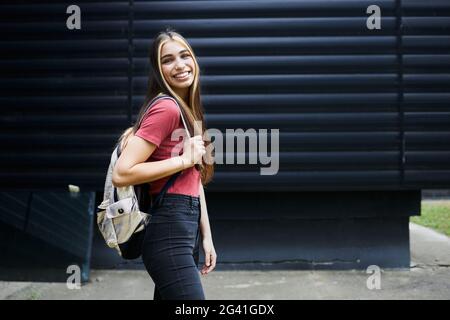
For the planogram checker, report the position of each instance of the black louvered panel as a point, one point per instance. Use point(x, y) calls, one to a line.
point(64, 94)
point(308, 68)
point(426, 66)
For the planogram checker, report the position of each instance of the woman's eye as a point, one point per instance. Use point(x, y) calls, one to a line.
point(183, 56)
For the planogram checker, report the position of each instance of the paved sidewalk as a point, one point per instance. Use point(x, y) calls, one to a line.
point(428, 278)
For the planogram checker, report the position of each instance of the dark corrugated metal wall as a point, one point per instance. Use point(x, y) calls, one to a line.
point(356, 108)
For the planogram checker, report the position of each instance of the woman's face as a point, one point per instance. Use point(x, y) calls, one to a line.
point(177, 66)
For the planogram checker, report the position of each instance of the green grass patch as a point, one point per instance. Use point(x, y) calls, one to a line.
point(435, 215)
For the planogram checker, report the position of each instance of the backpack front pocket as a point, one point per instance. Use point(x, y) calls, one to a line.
point(120, 208)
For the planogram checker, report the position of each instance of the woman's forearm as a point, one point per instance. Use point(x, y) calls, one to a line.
point(205, 228)
point(149, 171)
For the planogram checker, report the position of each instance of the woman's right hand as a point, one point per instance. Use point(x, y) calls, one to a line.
point(193, 150)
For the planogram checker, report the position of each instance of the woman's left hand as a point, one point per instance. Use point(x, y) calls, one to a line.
point(210, 256)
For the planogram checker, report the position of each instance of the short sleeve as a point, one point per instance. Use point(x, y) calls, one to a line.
point(159, 122)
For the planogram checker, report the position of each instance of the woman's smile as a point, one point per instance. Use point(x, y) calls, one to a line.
point(182, 76)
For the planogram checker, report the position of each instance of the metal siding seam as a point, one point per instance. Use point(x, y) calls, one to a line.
point(400, 89)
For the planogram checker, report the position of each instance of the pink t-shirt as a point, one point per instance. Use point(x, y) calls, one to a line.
point(157, 126)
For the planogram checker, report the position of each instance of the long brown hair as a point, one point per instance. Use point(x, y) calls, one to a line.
point(192, 112)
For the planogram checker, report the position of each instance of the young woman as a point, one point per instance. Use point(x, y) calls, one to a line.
point(170, 250)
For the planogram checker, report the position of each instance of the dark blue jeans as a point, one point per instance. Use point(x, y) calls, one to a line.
point(171, 248)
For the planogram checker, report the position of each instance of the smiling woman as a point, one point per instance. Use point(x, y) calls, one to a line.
point(170, 250)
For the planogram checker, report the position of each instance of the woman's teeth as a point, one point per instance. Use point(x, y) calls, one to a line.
point(182, 75)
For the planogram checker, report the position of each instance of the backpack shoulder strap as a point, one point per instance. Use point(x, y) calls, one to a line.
point(162, 96)
point(150, 104)
point(165, 188)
